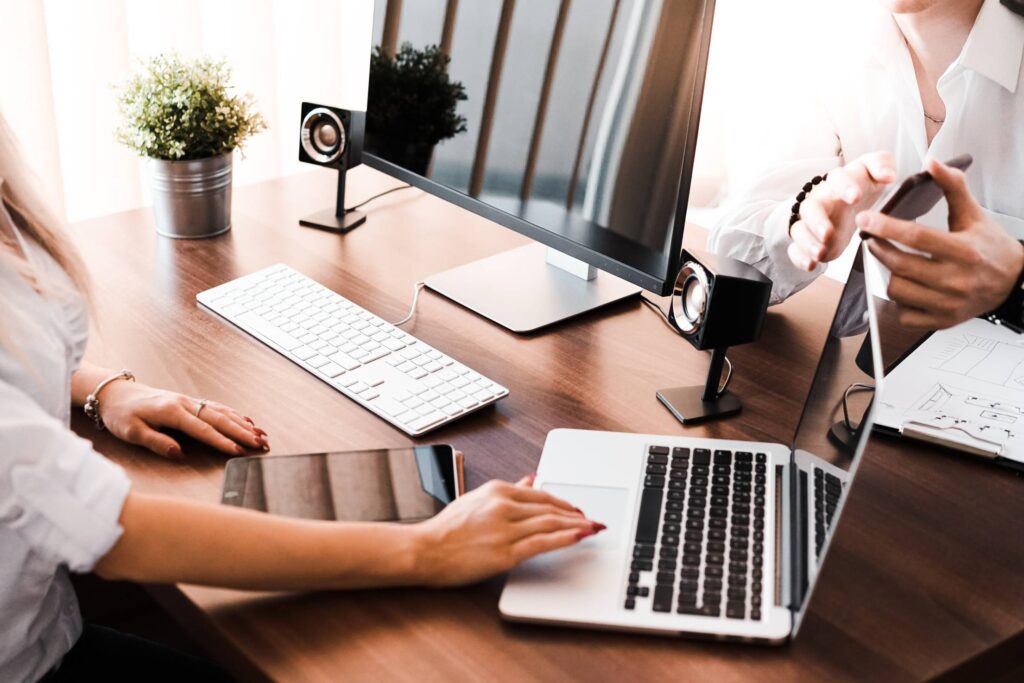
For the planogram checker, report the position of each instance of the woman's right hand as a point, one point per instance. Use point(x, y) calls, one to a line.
point(828, 213)
point(493, 528)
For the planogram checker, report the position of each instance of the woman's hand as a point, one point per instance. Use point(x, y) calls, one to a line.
point(136, 413)
point(827, 214)
point(493, 528)
point(964, 273)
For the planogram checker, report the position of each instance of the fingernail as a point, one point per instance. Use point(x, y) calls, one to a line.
point(266, 447)
point(580, 512)
point(851, 194)
point(239, 449)
point(259, 431)
point(599, 527)
point(863, 220)
point(583, 533)
point(174, 452)
point(249, 420)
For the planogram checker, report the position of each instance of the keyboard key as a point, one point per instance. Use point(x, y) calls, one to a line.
point(662, 601)
point(630, 603)
point(647, 522)
point(665, 577)
point(723, 457)
point(332, 370)
point(642, 565)
point(701, 456)
point(643, 552)
point(681, 453)
point(393, 408)
point(735, 610)
point(658, 450)
point(426, 421)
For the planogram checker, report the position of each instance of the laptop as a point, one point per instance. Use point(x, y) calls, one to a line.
point(706, 537)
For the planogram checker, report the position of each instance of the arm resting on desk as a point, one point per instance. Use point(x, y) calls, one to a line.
point(137, 413)
point(485, 532)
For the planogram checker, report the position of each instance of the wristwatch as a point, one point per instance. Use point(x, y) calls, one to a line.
point(1011, 313)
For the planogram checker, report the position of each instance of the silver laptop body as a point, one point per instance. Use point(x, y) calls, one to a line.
point(706, 537)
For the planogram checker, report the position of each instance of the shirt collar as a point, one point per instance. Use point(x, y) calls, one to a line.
point(995, 47)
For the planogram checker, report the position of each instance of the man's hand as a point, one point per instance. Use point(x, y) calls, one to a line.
point(964, 273)
point(827, 214)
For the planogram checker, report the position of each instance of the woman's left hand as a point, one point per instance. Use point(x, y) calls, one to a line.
point(136, 413)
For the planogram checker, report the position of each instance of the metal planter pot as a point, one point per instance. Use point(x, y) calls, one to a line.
point(192, 199)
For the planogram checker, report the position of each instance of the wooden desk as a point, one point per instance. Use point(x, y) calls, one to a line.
point(925, 574)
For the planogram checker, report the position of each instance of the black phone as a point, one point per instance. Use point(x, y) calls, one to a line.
point(1015, 6)
point(919, 193)
point(385, 485)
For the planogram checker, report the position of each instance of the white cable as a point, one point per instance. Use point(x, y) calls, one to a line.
point(417, 288)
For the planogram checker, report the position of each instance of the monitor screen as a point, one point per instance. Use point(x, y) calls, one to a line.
point(572, 123)
point(834, 427)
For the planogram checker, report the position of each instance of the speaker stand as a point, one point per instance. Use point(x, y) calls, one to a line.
point(338, 219)
point(692, 405)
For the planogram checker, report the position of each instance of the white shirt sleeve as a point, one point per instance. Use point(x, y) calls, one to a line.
point(783, 148)
point(60, 496)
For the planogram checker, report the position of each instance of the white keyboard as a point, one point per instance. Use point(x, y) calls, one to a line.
point(387, 371)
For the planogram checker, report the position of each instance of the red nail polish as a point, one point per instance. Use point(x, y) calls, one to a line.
point(239, 449)
point(580, 512)
point(583, 533)
point(174, 452)
point(249, 420)
point(599, 527)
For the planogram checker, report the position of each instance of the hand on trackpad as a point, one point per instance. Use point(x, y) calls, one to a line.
point(600, 504)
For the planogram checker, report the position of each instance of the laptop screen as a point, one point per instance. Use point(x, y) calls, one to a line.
point(832, 432)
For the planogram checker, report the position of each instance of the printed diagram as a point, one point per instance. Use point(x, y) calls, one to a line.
point(983, 359)
point(988, 419)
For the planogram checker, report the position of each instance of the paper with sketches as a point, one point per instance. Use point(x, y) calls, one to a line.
point(963, 387)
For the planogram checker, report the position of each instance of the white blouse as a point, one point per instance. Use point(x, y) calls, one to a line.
point(858, 94)
point(60, 501)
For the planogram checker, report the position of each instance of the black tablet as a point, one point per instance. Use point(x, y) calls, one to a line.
point(402, 485)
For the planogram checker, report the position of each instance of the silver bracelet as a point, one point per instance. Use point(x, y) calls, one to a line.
point(92, 403)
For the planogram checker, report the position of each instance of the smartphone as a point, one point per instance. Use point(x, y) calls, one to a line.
point(919, 193)
point(392, 485)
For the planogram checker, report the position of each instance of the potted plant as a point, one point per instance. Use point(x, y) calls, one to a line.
point(412, 105)
point(182, 116)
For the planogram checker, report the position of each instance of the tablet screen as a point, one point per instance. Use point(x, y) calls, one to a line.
point(406, 484)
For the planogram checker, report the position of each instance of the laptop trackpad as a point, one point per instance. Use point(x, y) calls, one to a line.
point(600, 504)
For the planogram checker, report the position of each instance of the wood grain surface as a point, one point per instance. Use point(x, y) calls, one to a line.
point(924, 575)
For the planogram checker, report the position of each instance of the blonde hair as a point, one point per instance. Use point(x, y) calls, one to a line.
point(34, 219)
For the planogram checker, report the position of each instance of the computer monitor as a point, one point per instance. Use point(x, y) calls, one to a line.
point(574, 124)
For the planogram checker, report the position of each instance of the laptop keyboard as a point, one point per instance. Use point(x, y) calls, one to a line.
point(827, 489)
point(700, 533)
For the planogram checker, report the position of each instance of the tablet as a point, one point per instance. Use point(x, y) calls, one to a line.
point(396, 485)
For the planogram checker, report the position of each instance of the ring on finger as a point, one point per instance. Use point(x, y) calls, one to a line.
point(199, 406)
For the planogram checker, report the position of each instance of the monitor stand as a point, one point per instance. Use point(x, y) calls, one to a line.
point(526, 289)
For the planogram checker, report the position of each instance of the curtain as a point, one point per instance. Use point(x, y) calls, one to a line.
point(63, 59)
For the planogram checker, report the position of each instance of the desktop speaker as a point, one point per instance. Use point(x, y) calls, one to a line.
point(717, 302)
point(720, 302)
point(332, 137)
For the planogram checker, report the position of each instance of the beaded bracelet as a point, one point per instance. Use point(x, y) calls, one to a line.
point(794, 215)
point(92, 401)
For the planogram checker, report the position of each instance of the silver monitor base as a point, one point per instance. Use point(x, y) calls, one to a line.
point(522, 292)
